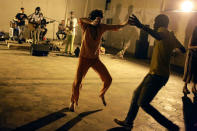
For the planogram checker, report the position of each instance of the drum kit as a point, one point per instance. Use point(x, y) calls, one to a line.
point(13, 31)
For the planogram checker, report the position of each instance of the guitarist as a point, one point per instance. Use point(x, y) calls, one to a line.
point(43, 28)
point(21, 24)
point(36, 19)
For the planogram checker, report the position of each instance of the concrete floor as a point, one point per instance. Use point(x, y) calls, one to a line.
point(35, 94)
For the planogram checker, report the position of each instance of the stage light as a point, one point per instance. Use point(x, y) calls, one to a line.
point(187, 6)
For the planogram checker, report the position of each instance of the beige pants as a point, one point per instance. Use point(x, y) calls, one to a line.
point(36, 35)
point(21, 31)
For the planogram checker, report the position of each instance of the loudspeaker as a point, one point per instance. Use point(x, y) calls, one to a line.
point(40, 49)
point(77, 52)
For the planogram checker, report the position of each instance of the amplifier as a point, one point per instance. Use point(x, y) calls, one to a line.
point(40, 49)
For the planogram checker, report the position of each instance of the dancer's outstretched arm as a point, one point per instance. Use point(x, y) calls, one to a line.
point(157, 35)
point(114, 27)
point(134, 21)
point(106, 26)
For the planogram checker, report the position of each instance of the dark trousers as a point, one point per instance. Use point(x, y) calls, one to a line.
point(43, 33)
point(142, 97)
point(61, 32)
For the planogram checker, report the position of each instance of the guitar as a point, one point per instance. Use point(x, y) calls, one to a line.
point(33, 25)
point(44, 22)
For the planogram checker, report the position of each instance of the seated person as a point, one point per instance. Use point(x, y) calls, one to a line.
point(61, 30)
point(43, 29)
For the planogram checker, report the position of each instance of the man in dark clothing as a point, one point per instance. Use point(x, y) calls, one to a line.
point(43, 29)
point(158, 75)
point(21, 23)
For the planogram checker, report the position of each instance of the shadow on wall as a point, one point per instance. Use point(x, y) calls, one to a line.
point(129, 34)
point(174, 26)
point(174, 20)
point(114, 38)
point(189, 28)
point(125, 38)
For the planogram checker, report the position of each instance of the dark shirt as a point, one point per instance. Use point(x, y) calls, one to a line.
point(21, 17)
point(43, 23)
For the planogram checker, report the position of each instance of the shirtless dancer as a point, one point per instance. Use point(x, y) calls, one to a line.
point(92, 29)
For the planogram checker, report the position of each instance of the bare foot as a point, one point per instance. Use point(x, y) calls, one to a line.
point(103, 100)
point(72, 107)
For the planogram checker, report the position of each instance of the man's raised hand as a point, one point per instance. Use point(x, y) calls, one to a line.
point(133, 20)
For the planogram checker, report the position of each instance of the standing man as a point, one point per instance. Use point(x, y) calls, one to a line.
point(158, 75)
point(21, 24)
point(71, 25)
point(61, 30)
point(92, 30)
point(36, 19)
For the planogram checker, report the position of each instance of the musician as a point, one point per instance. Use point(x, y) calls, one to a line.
point(61, 30)
point(36, 19)
point(71, 24)
point(21, 24)
point(43, 29)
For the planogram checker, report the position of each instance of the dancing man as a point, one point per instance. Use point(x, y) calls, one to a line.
point(158, 75)
point(92, 29)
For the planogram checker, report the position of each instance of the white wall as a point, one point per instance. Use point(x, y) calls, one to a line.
point(145, 10)
point(181, 23)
